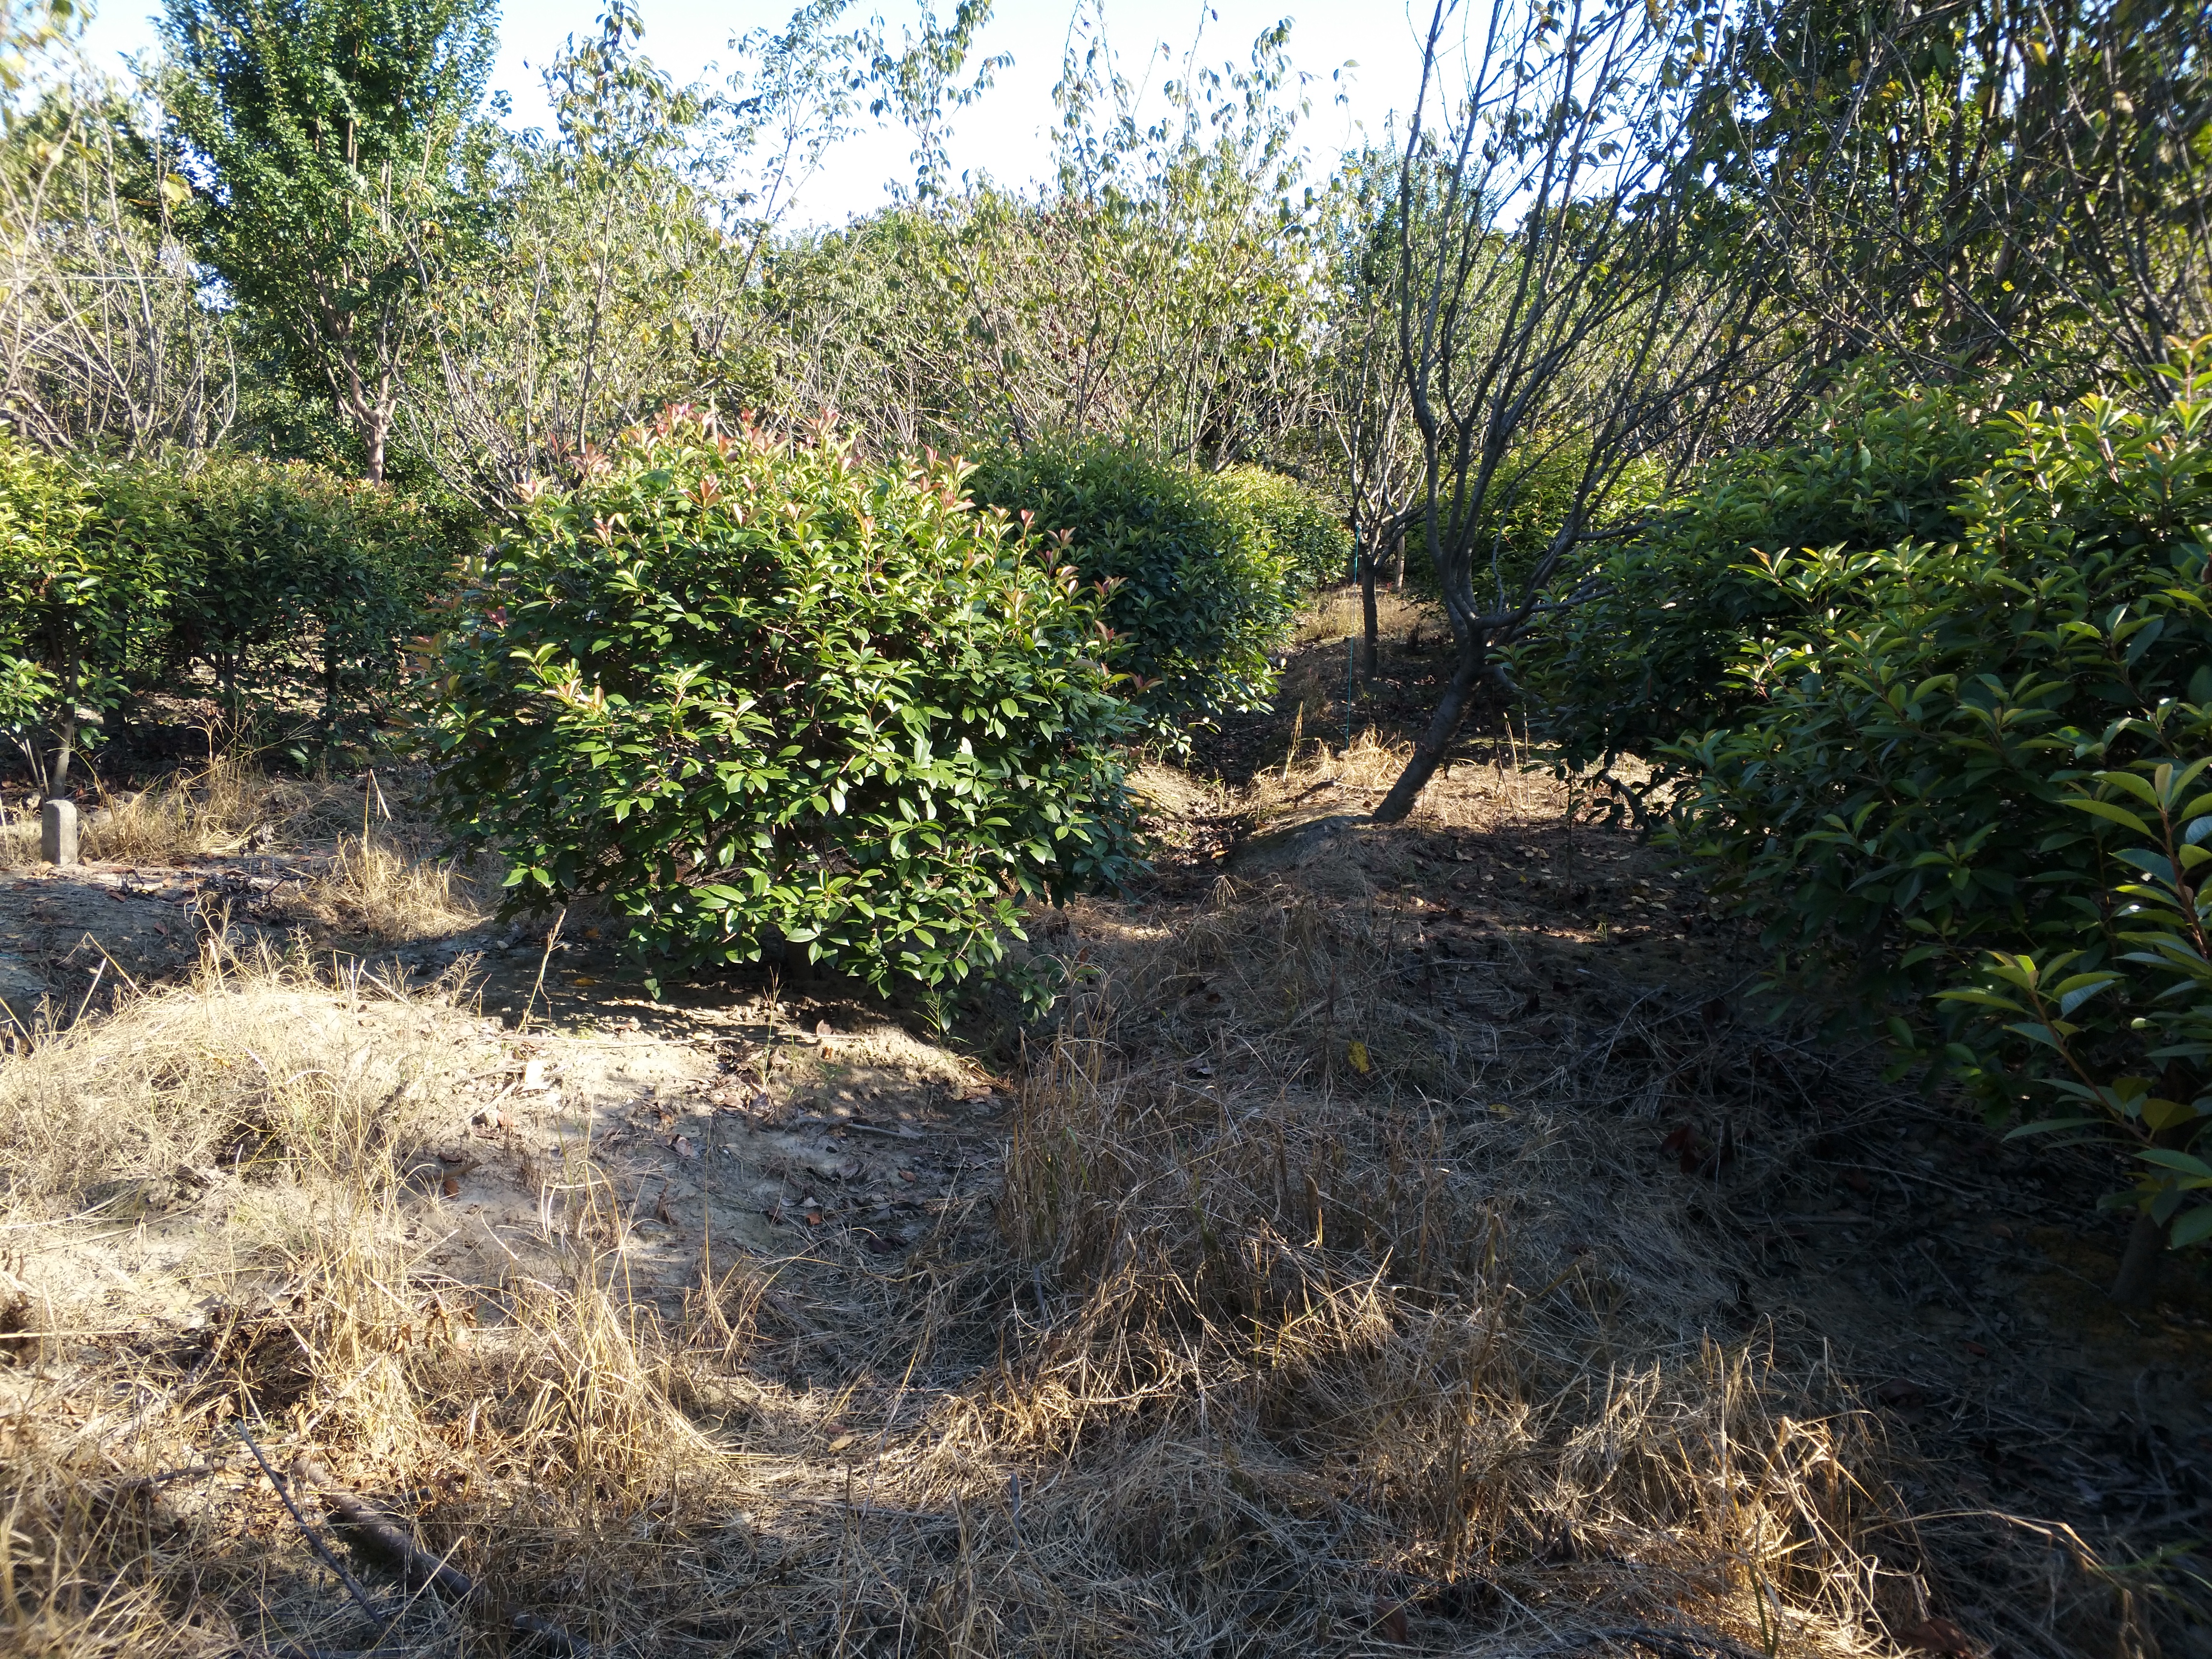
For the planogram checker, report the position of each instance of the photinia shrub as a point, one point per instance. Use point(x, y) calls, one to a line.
point(1302, 529)
point(1968, 768)
point(1199, 594)
point(761, 695)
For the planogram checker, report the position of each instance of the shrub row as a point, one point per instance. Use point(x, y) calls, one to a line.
point(286, 594)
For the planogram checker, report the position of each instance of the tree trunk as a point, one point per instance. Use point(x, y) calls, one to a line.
point(376, 433)
point(1398, 577)
point(2138, 1272)
point(1367, 644)
point(58, 770)
point(1429, 752)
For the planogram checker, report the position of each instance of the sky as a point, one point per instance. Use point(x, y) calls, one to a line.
point(1005, 133)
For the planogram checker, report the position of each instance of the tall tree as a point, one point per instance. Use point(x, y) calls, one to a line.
point(1558, 320)
point(320, 136)
point(1975, 184)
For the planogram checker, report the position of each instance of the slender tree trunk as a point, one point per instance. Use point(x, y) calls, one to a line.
point(330, 684)
point(1370, 629)
point(64, 731)
point(2139, 1263)
point(1398, 577)
point(1429, 752)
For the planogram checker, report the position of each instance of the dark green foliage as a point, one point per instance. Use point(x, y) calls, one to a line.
point(759, 694)
point(286, 593)
point(76, 607)
point(1912, 779)
point(289, 586)
point(1196, 592)
point(1300, 528)
point(1649, 660)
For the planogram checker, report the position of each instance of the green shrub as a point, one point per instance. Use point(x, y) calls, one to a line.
point(1197, 594)
point(1650, 660)
point(291, 588)
point(1927, 767)
point(75, 607)
point(2147, 1093)
point(1301, 529)
point(760, 695)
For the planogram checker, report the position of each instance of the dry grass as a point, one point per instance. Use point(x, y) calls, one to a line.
point(380, 888)
point(1338, 614)
point(226, 808)
point(1268, 1344)
point(376, 870)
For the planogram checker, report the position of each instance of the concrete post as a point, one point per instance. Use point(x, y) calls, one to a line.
point(57, 832)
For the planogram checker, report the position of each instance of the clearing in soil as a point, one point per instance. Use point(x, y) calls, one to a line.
point(1399, 1239)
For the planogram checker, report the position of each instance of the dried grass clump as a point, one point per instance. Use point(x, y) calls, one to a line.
point(250, 1067)
point(1338, 614)
point(18, 838)
point(226, 807)
point(379, 887)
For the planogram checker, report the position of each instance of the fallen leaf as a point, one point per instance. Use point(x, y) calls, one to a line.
point(842, 1442)
point(1390, 1621)
point(582, 979)
point(1355, 1054)
point(814, 1218)
point(906, 1174)
point(660, 1209)
point(683, 1146)
point(823, 1028)
point(1937, 1636)
point(533, 1076)
point(1900, 1393)
point(2000, 1230)
point(1975, 1349)
point(1500, 1108)
point(450, 1187)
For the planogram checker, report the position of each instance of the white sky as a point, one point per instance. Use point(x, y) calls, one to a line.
point(1005, 133)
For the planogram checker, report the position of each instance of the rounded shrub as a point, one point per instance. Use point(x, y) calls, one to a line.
point(1648, 659)
point(1299, 526)
point(1197, 595)
point(762, 695)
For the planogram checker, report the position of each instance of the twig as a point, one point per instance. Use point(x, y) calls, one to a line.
point(380, 1532)
point(352, 1585)
point(552, 934)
